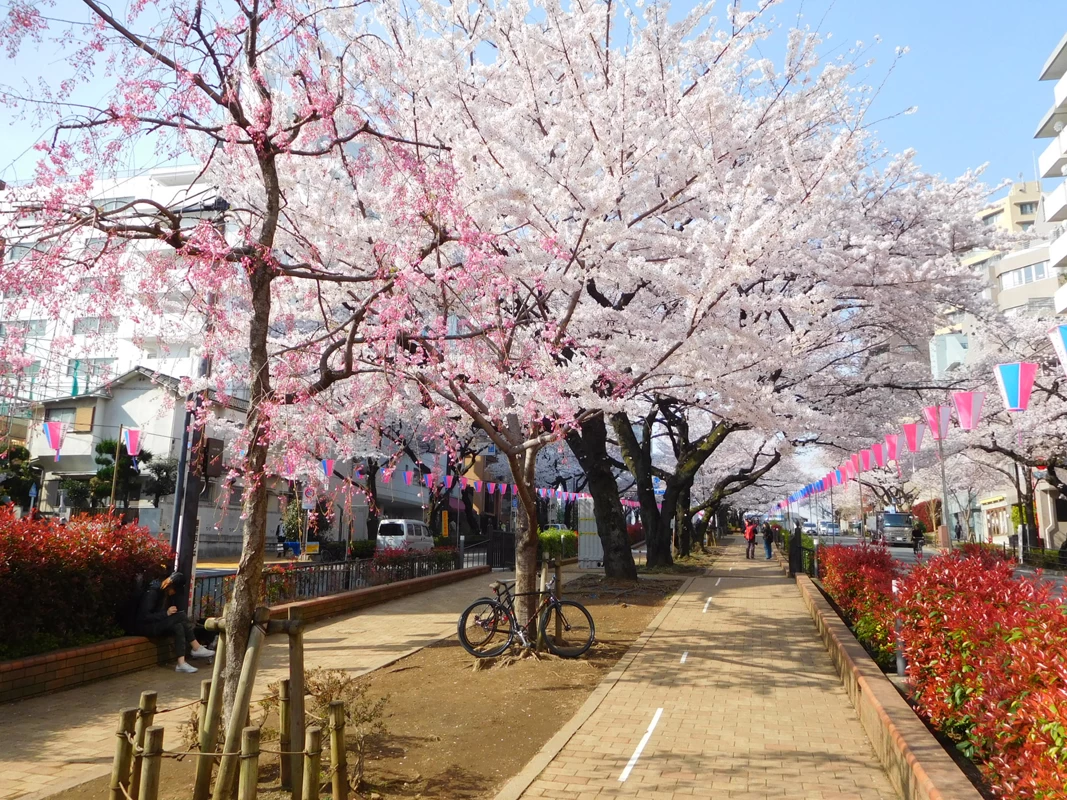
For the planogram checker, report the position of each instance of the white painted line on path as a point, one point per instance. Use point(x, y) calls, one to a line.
point(708, 603)
point(640, 746)
point(685, 655)
point(717, 581)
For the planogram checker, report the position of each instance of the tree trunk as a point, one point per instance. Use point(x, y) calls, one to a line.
point(373, 514)
point(250, 569)
point(638, 458)
point(590, 448)
point(684, 522)
point(522, 469)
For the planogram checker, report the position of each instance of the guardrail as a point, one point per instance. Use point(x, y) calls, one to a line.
point(287, 584)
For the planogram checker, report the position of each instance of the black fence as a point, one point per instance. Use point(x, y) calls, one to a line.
point(287, 584)
point(497, 550)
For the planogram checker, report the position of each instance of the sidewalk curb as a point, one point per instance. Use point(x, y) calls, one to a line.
point(514, 788)
point(917, 765)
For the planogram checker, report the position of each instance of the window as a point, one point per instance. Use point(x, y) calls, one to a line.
point(88, 367)
point(95, 246)
point(33, 370)
point(992, 219)
point(66, 415)
point(1028, 208)
point(111, 203)
point(1025, 226)
point(83, 419)
point(83, 325)
point(1024, 275)
point(31, 328)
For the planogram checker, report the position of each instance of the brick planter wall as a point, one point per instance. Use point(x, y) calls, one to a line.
point(64, 669)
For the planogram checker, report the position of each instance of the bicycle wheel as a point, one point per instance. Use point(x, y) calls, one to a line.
point(485, 628)
point(575, 629)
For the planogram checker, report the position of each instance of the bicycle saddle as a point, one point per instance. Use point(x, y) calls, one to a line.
point(496, 586)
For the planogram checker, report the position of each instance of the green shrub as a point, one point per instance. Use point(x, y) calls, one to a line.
point(361, 548)
point(332, 551)
point(557, 544)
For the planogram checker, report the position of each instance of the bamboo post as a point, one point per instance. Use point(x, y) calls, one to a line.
point(559, 595)
point(150, 765)
point(209, 723)
point(312, 762)
point(338, 756)
point(249, 764)
point(284, 731)
point(115, 473)
point(120, 765)
point(146, 712)
point(227, 773)
point(296, 706)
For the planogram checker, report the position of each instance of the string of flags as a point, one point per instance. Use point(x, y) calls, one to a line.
point(1015, 380)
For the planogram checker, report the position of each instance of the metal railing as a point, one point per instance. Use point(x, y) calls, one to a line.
point(287, 584)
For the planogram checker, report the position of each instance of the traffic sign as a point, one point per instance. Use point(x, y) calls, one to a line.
point(308, 501)
point(33, 490)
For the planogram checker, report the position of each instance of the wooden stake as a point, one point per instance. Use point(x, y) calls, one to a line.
point(150, 765)
point(120, 766)
point(115, 472)
point(312, 762)
point(209, 723)
point(246, 789)
point(284, 731)
point(296, 706)
point(227, 774)
point(338, 756)
point(146, 712)
point(559, 596)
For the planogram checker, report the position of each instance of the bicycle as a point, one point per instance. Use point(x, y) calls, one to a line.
point(489, 626)
point(917, 546)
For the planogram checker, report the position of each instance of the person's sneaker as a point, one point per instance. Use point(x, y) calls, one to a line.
point(185, 668)
point(203, 652)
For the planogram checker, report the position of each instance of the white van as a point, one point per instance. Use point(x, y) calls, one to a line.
point(404, 534)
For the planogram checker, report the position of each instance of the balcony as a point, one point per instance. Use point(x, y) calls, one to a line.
point(1060, 299)
point(1056, 204)
point(1051, 162)
point(1054, 121)
point(1056, 66)
point(1057, 249)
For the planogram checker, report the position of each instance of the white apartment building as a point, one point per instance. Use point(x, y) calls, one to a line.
point(160, 341)
point(1052, 163)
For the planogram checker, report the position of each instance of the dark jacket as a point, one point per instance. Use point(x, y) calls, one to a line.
point(154, 604)
point(768, 533)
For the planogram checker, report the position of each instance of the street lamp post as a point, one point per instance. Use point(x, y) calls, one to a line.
point(942, 532)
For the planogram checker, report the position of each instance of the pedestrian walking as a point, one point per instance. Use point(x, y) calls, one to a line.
point(959, 531)
point(750, 539)
point(768, 538)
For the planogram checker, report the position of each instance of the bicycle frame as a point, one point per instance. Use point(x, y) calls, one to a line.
point(507, 599)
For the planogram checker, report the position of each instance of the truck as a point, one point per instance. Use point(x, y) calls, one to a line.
point(891, 527)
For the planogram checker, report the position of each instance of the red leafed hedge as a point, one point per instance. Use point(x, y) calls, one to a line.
point(64, 585)
point(860, 579)
point(987, 662)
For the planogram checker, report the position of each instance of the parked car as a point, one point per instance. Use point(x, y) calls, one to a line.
point(810, 528)
point(829, 529)
point(404, 534)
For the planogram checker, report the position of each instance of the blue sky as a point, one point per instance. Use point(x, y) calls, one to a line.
point(971, 71)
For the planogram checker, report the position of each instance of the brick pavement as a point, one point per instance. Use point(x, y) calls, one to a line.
point(755, 711)
point(60, 740)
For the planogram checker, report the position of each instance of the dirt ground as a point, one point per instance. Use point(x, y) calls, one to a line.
point(456, 732)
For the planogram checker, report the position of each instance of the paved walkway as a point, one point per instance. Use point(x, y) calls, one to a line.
point(756, 710)
point(53, 742)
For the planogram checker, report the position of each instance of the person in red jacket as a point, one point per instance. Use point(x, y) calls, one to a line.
point(750, 538)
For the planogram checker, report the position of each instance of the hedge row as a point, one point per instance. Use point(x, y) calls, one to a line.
point(986, 653)
point(65, 585)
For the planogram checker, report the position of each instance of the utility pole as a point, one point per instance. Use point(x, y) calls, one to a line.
point(942, 533)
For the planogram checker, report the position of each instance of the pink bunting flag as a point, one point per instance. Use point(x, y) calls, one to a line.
point(878, 451)
point(968, 408)
point(131, 438)
point(514, 489)
point(891, 441)
point(387, 477)
point(428, 480)
point(913, 435)
point(327, 467)
point(477, 486)
point(865, 460)
point(490, 488)
point(53, 435)
point(462, 481)
point(503, 488)
point(937, 420)
point(408, 477)
point(855, 459)
point(448, 481)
